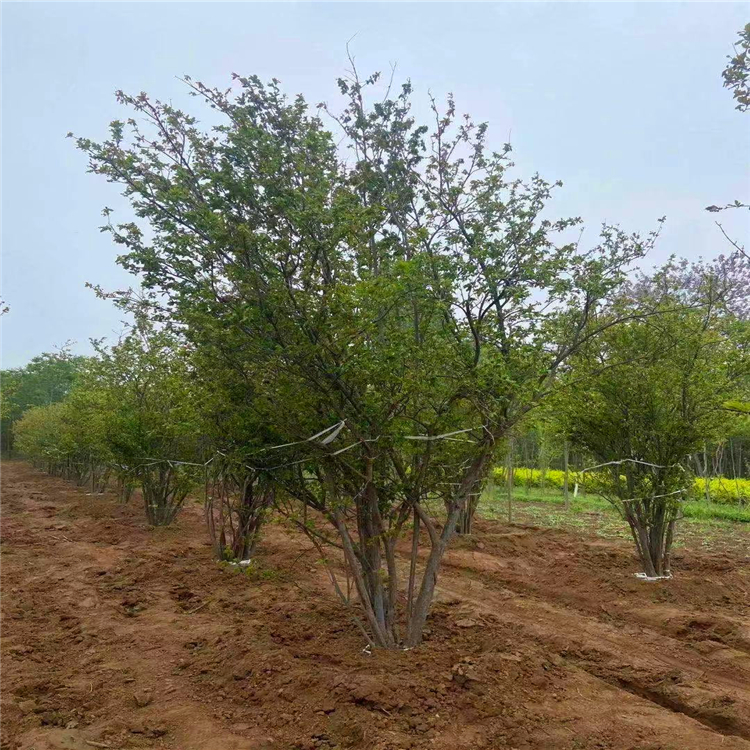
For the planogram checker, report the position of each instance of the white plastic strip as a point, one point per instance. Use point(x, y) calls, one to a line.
point(653, 497)
point(631, 461)
point(644, 577)
point(338, 426)
point(333, 435)
point(441, 437)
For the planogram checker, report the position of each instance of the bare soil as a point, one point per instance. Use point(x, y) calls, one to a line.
point(117, 635)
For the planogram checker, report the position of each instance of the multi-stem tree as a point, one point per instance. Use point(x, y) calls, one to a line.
point(389, 285)
point(143, 391)
point(649, 392)
point(237, 502)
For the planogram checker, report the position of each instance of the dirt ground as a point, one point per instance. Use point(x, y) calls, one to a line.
point(115, 635)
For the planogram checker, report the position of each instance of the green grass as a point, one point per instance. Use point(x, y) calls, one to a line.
point(593, 514)
point(698, 509)
point(586, 513)
point(705, 511)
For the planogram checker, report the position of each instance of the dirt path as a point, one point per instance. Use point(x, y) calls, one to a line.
point(76, 647)
point(116, 635)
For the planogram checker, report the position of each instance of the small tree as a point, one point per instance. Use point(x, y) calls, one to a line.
point(39, 435)
point(150, 417)
point(62, 439)
point(648, 393)
point(47, 379)
point(236, 504)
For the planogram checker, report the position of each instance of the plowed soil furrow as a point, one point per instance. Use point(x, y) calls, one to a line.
point(628, 653)
point(642, 668)
point(568, 625)
point(704, 624)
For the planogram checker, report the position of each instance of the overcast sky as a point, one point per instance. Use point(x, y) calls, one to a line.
point(621, 101)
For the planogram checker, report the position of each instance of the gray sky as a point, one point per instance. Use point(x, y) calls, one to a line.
point(621, 101)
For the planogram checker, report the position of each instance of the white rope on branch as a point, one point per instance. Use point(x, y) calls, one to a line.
point(331, 434)
point(444, 436)
point(654, 497)
point(632, 461)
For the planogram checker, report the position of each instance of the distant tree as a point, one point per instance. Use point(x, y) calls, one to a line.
point(143, 410)
point(132, 411)
point(40, 436)
point(46, 380)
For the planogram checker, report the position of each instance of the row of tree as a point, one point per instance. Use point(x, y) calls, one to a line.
point(349, 322)
point(639, 397)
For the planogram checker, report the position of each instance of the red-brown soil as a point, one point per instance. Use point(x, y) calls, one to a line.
point(116, 635)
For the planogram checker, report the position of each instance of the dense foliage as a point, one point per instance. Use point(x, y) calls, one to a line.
point(349, 323)
point(47, 379)
point(650, 392)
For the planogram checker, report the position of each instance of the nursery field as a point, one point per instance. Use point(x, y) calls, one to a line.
point(387, 453)
point(121, 635)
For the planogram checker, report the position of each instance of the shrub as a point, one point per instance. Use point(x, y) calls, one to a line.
point(723, 490)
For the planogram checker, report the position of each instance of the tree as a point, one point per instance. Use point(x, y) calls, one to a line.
point(736, 76)
point(148, 411)
point(237, 502)
point(649, 392)
point(63, 439)
point(737, 72)
point(383, 320)
point(40, 435)
point(47, 379)
point(238, 496)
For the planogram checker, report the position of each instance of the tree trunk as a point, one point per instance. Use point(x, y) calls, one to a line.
point(412, 566)
point(416, 624)
point(465, 521)
point(653, 539)
point(706, 487)
point(509, 479)
point(429, 581)
point(566, 494)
